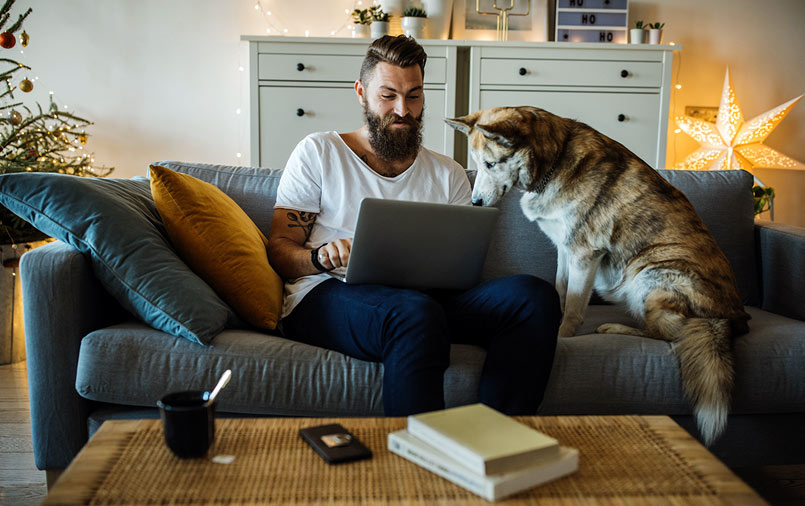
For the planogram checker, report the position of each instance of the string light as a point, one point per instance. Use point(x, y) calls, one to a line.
point(276, 25)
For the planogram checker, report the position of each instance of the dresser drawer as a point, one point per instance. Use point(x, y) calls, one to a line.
point(538, 72)
point(330, 68)
point(289, 113)
point(629, 118)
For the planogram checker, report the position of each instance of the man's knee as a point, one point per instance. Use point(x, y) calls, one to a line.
point(535, 297)
point(418, 320)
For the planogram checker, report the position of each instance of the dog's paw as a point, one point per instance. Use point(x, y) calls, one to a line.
point(567, 331)
point(617, 328)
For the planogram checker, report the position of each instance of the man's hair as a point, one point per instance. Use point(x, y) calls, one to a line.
point(402, 51)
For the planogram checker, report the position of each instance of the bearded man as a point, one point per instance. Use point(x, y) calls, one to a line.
point(514, 318)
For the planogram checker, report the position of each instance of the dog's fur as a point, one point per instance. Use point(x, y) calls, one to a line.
point(620, 227)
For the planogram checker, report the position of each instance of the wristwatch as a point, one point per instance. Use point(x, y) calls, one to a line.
point(314, 257)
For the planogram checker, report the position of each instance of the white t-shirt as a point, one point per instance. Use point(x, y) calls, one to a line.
point(324, 176)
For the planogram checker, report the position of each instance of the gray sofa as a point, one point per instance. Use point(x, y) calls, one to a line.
point(89, 360)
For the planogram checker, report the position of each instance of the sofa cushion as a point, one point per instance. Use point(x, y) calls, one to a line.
point(592, 373)
point(270, 375)
point(614, 374)
point(722, 198)
point(253, 189)
point(724, 201)
point(220, 243)
point(115, 223)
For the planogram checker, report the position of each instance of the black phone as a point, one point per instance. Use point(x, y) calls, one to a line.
point(334, 443)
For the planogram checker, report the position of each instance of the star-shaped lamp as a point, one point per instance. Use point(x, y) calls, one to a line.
point(732, 143)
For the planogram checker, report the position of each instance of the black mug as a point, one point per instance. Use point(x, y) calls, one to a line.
point(188, 422)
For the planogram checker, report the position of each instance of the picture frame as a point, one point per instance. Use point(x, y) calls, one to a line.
point(468, 25)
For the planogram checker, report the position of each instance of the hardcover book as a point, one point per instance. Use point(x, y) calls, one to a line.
point(491, 487)
point(485, 440)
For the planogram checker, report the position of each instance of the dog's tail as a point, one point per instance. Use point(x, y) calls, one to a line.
point(707, 371)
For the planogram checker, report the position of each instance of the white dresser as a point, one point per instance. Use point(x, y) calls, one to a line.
point(304, 85)
point(621, 90)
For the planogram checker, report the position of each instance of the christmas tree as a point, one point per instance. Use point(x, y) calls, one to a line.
point(38, 140)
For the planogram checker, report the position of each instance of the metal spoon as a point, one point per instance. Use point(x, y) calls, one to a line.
point(221, 384)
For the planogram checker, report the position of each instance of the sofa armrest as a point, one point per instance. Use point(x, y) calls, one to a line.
point(781, 257)
point(62, 302)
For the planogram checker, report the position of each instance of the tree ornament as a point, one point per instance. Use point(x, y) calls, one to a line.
point(733, 143)
point(15, 117)
point(82, 138)
point(24, 38)
point(26, 85)
point(7, 40)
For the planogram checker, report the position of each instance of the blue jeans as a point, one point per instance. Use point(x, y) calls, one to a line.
point(515, 319)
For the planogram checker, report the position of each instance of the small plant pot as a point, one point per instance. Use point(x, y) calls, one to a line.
point(637, 36)
point(655, 36)
point(413, 27)
point(379, 29)
point(360, 31)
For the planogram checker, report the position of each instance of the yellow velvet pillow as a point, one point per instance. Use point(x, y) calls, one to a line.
point(220, 243)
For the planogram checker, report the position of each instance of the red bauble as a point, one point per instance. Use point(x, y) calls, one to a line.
point(7, 40)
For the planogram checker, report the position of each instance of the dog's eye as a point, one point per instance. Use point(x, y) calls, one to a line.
point(489, 165)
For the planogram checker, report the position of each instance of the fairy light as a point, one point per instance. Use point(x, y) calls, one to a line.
point(276, 25)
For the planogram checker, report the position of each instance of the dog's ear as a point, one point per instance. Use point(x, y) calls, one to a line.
point(464, 124)
point(501, 132)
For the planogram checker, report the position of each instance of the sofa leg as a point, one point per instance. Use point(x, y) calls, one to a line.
point(51, 475)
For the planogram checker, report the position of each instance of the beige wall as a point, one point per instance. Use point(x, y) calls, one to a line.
point(160, 80)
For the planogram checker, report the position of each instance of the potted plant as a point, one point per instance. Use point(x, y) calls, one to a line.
point(655, 33)
point(361, 20)
point(637, 35)
point(380, 21)
point(413, 22)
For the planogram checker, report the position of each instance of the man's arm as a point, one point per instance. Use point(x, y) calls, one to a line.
point(290, 230)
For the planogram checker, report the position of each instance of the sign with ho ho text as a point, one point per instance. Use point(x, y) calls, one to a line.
point(592, 21)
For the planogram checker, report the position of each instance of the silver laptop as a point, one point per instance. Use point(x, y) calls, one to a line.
point(420, 245)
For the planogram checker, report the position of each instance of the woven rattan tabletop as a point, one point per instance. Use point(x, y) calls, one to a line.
point(643, 460)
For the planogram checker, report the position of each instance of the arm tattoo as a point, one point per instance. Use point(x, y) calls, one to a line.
point(302, 220)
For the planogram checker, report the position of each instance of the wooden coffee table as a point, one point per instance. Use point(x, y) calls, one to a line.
point(644, 460)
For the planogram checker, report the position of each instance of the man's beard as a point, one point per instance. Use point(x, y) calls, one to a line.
point(393, 144)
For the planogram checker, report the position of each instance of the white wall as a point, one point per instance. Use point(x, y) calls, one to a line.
point(160, 77)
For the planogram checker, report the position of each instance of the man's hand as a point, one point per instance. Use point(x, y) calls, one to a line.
point(335, 254)
point(286, 251)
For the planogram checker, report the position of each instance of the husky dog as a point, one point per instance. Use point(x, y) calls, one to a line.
point(619, 227)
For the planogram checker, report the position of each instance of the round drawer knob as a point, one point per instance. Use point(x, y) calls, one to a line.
point(522, 71)
point(300, 112)
point(300, 67)
point(621, 117)
point(624, 73)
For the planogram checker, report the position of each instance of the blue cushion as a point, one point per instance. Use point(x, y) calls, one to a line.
point(115, 223)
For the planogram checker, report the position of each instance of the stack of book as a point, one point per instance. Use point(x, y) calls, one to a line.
point(483, 450)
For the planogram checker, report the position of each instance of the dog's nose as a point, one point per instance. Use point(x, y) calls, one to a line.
point(478, 202)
